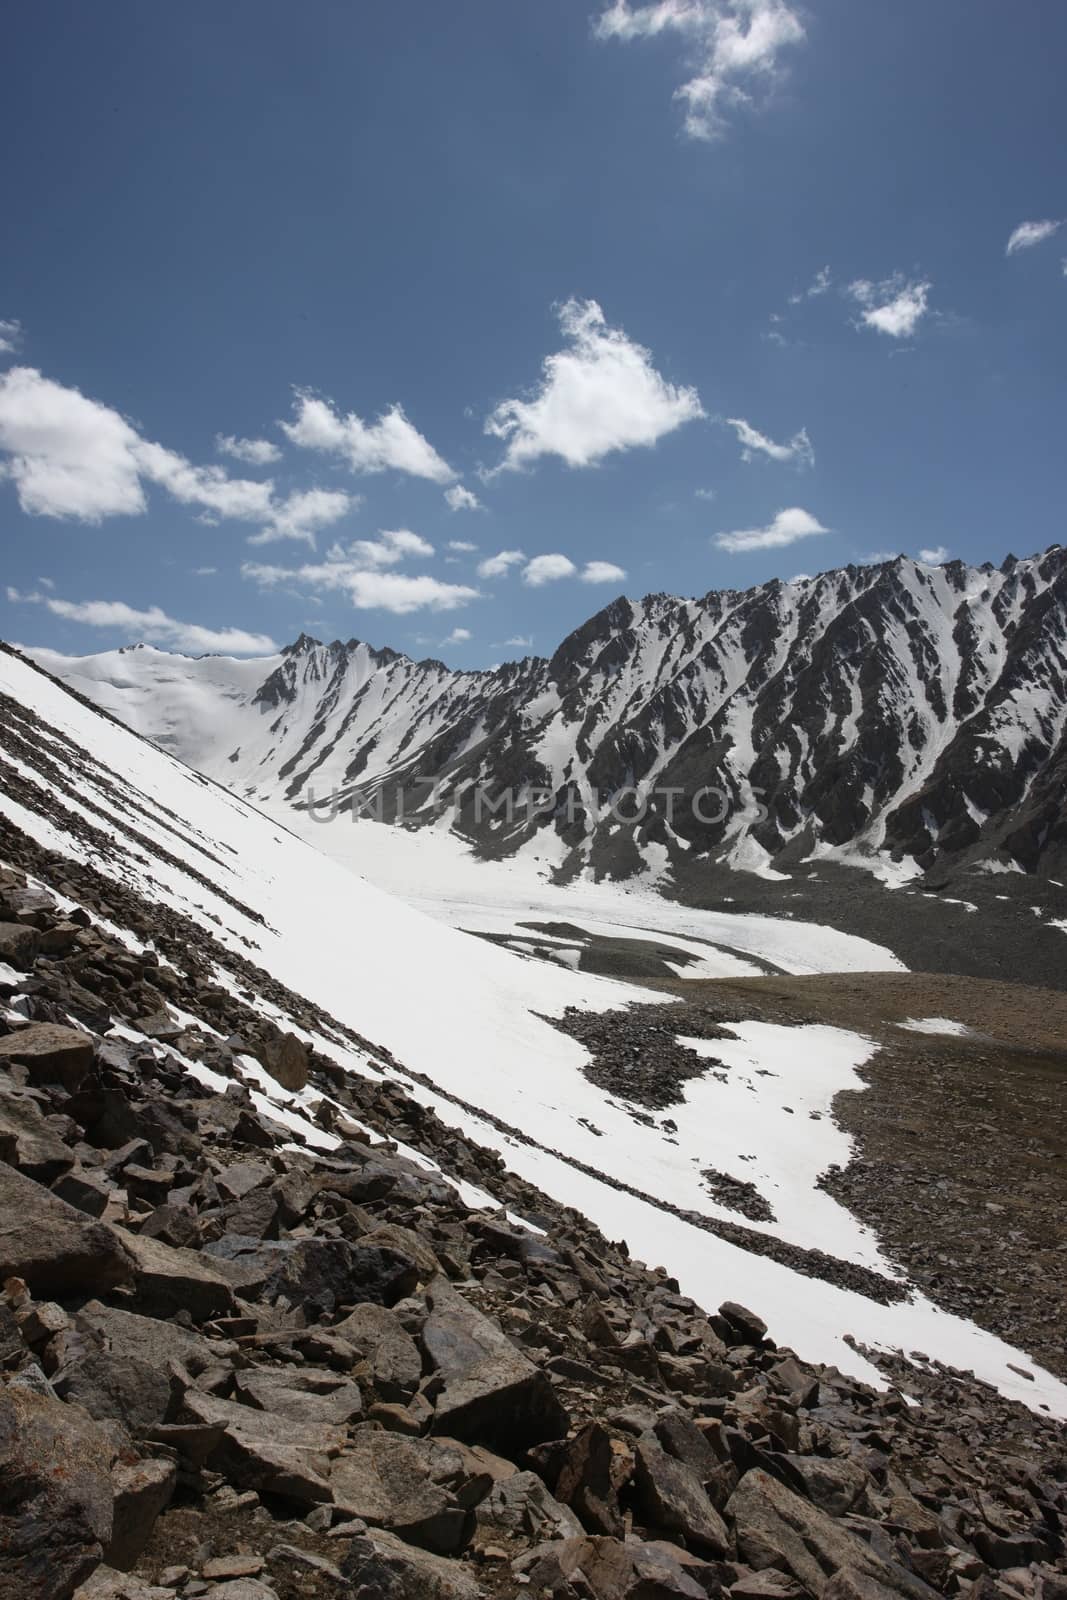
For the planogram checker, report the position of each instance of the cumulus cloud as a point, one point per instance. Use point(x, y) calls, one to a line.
point(304, 513)
point(458, 636)
point(934, 556)
point(462, 547)
point(753, 444)
point(731, 46)
point(547, 569)
point(391, 546)
point(153, 624)
point(600, 394)
point(895, 306)
point(459, 498)
point(602, 572)
point(1027, 234)
point(518, 641)
point(257, 452)
point(368, 590)
point(392, 443)
point(10, 336)
point(788, 527)
point(73, 457)
point(497, 566)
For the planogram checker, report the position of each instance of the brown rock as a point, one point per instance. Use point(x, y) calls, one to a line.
point(54, 1248)
point(50, 1053)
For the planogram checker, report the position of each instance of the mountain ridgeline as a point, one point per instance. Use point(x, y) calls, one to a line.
point(894, 712)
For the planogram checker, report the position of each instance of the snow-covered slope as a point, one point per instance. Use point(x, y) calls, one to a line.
point(896, 710)
point(467, 1025)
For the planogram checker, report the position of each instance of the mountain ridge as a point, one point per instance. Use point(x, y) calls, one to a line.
point(897, 716)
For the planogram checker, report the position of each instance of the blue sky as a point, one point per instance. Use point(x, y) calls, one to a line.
point(770, 253)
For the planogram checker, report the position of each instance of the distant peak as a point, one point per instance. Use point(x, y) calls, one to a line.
point(301, 646)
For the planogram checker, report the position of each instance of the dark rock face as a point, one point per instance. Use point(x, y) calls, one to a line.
point(53, 1247)
point(56, 1496)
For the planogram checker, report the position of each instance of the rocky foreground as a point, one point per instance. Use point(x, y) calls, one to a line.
point(236, 1367)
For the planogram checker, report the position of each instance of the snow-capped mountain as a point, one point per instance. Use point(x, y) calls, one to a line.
point(218, 893)
point(897, 711)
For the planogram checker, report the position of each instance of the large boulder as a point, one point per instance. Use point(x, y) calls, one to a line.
point(671, 1497)
point(142, 1490)
point(116, 1386)
point(391, 1482)
point(28, 1142)
point(169, 1280)
point(50, 1053)
point(55, 1248)
point(155, 1342)
point(491, 1392)
point(272, 1454)
point(380, 1565)
point(19, 945)
point(607, 1569)
point(315, 1274)
point(308, 1394)
point(56, 1496)
point(286, 1059)
point(392, 1354)
point(776, 1528)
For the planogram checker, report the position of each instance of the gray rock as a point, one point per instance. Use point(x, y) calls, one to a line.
point(522, 1506)
point(395, 1362)
point(56, 1249)
point(607, 1569)
point(149, 1340)
point(310, 1394)
point(593, 1469)
point(491, 1392)
point(116, 1386)
point(56, 1504)
point(142, 1490)
point(274, 1455)
point(776, 1528)
point(107, 1584)
point(19, 945)
point(317, 1273)
point(50, 1053)
point(671, 1496)
point(168, 1280)
point(835, 1484)
point(389, 1482)
point(27, 1141)
point(286, 1059)
point(379, 1566)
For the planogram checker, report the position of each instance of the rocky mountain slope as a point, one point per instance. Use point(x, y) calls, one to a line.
point(891, 713)
point(275, 1324)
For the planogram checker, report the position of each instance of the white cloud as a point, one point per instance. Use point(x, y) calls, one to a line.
point(1027, 234)
point(894, 306)
point(10, 336)
point(600, 394)
point(389, 548)
point(518, 641)
point(547, 569)
point(704, 494)
point(497, 566)
point(935, 556)
point(877, 557)
point(732, 44)
point(383, 591)
point(459, 498)
point(257, 452)
point(391, 443)
point(788, 527)
point(304, 513)
point(602, 572)
point(462, 547)
point(458, 636)
point(819, 285)
point(154, 624)
point(70, 456)
point(755, 443)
